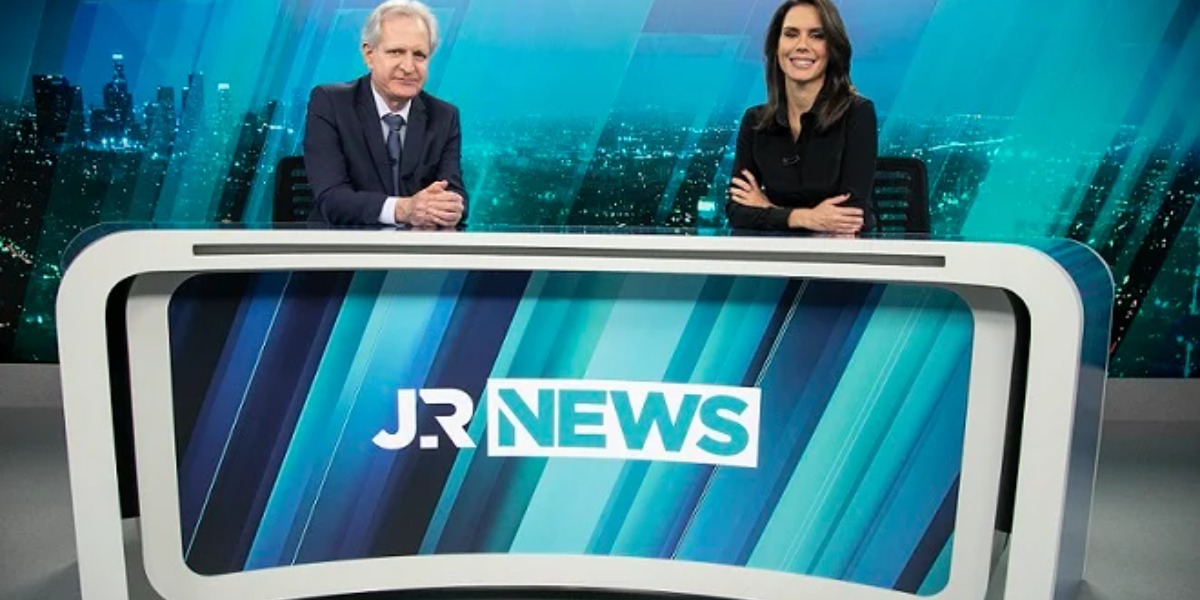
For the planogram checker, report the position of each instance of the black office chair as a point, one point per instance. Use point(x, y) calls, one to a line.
point(293, 196)
point(900, 196)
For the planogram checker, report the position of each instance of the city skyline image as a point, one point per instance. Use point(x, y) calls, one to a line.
point(577, 112)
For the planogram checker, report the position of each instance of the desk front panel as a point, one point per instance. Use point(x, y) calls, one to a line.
point(847, 468)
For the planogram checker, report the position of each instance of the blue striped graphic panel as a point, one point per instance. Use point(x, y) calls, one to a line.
point(282, 382)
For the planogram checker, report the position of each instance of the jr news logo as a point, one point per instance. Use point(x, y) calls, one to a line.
point(703, 424)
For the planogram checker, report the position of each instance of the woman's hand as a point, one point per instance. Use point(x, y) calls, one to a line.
point(829, 216)
point(745, 191)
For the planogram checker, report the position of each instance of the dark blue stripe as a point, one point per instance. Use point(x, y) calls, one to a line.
point(474, 336)
point(931, 545)
point(267, 421)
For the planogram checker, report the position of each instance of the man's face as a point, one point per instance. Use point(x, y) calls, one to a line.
point(399, 63)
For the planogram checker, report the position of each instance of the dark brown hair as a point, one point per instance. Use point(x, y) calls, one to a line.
point(837, 93)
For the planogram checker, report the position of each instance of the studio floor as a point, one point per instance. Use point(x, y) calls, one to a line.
point(1145, 536)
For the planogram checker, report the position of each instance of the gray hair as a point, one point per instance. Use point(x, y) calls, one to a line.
point(372, 30)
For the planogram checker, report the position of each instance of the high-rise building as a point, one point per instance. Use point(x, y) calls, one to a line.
point(239, 179)
point(100, 126)
point(224, 108)
point(26, 180)
point(160, 121)
point(77, 122)
point(118, 102)
point(53, 97)
point(165, 98)
point(193, 109)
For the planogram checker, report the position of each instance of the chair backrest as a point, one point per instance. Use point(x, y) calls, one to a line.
point(293, 196)
point(900, 196)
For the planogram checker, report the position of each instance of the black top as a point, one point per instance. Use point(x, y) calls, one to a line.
point(803, 173)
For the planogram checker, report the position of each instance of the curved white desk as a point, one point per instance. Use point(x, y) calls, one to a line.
point(1064, 287)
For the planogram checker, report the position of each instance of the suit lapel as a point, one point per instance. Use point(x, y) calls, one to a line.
point(414, 138)
point(368, 117)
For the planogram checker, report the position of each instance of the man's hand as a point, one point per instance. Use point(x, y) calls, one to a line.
point(433, 206)
point(829, 216)
point(745, 191)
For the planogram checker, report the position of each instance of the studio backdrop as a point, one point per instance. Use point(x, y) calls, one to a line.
point(1073, 118)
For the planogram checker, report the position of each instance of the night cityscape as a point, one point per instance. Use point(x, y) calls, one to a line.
point(184, 155)
point(69, 167)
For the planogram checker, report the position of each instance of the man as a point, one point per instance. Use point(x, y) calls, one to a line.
point(379, 150)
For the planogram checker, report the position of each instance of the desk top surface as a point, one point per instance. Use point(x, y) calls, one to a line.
point(629, 237)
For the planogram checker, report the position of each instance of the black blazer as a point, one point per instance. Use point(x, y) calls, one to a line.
point(345, 154)
point(803, 173)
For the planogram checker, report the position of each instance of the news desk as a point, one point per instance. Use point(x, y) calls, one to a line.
point(331, 413)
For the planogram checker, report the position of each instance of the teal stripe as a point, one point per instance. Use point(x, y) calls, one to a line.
point(639, 521)
point(323, 406)
point(568, 318)
point(523, 322)
point(604, 36)
point(554, 333)
point(729, 340)
point(349, 373)
point(566, 509)
point(511, 504)
point(578, 307)
point(396, 351)
point(1185, 124)
point(1067, 117)
point(1173, 98)
point(713, 518)
point(617, 513)
point(877, 377)
point(465, 463)
point(695, 336)
point(939, 574)
point(945, 76)
point(895, 452)
point(415, 320)
point(929, 476)
point(649, 520)
point(726, 357)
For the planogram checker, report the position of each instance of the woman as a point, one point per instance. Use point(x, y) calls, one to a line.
point(805, 160)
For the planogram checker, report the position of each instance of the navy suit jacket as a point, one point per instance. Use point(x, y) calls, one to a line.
point(345, 154)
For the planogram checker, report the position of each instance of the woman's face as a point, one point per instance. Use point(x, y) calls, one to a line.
point(802, 53)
